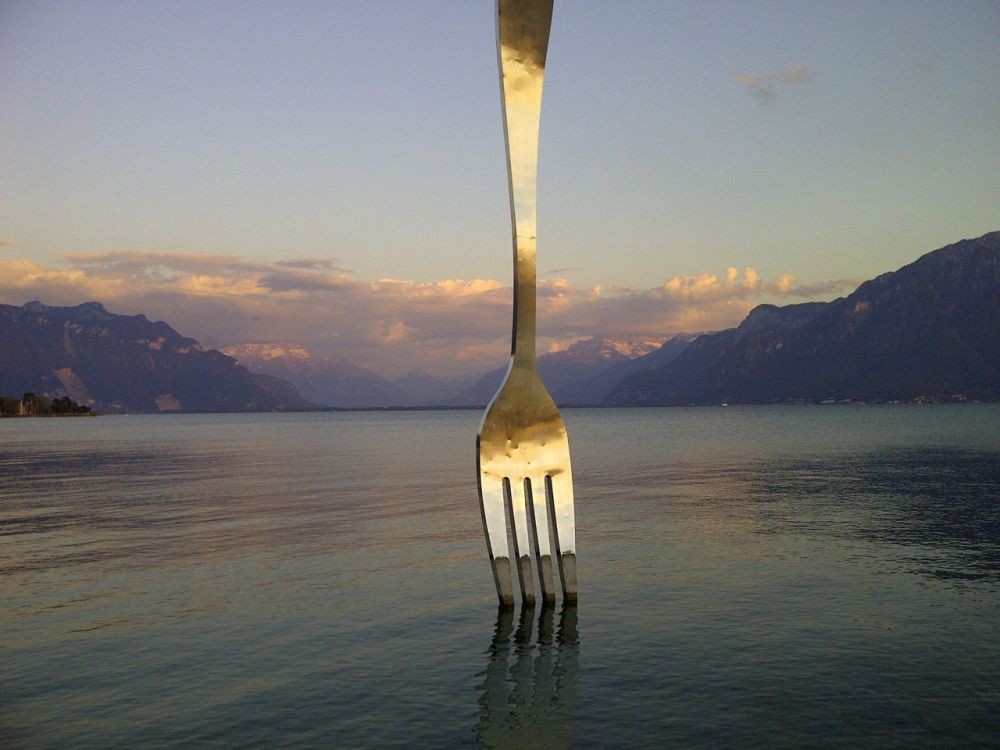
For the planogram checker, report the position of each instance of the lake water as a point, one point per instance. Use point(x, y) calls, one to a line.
point(749, 577)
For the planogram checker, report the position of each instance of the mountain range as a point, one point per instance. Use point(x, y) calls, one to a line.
point(126, 363)
point(332, 381)
point(582, 374)
point(928, 331)
point(569, 374)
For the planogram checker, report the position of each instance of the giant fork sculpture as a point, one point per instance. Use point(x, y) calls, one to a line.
point(524, 470)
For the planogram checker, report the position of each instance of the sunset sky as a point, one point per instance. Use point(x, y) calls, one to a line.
point(333, 173)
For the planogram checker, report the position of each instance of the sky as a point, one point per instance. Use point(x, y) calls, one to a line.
point(333, 173)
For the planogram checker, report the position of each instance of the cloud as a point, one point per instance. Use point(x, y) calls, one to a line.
point(301, 281)
point(564, 269)
point(138, 265)
point(764, 86)
point(795, 74)
point(5, 241)
point(825, 289)
point(447, 326)
point(312, 264)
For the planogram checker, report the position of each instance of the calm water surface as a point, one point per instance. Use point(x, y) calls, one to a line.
point(772, 576)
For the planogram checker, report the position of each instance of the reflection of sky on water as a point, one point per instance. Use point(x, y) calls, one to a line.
point(895, 495)
point(529, 684)
point(943, 505)
point(751, 578)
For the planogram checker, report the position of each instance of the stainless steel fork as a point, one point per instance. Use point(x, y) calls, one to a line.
point(523, 452)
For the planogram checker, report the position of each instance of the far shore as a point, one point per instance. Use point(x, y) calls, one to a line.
point(46, 416)
point(480, 408)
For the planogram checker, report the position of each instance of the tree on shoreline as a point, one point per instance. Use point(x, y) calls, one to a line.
point(30, 405)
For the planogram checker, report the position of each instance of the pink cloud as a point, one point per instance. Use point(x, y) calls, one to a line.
point(445, 326)
point(764, 86)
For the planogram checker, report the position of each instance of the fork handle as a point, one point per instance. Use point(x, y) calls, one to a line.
point(522, 42)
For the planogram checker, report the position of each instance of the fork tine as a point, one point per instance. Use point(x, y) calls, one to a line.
point(540, 531)
point(491, 503)
point(559, 489)
point(514, 492)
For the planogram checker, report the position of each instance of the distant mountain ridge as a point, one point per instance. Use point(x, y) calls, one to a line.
point(125, 363)
point(423, 389)
point(592, 390)
point(928, 331)
point(582, 374)
point(336, 382)
point(573, 374)
point(331, 381)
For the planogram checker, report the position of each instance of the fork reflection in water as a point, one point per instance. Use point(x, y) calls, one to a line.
point(529, 685)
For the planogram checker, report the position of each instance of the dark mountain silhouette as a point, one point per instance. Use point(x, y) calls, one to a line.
point(125, 363)
point(930, 330)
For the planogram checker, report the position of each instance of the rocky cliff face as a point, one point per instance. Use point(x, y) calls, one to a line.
point(125, 363)
point(929, 330)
